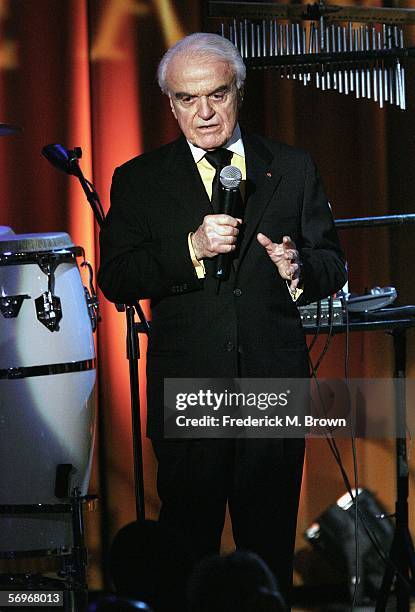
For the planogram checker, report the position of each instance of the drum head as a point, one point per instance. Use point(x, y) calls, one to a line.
point(30, 243)
point(6, 232)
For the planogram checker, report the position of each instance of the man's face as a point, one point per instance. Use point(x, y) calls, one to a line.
point(204, 99)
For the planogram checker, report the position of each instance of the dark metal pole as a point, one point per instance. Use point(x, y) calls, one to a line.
point(401, 556)
point(133, 355)
point(381, 221)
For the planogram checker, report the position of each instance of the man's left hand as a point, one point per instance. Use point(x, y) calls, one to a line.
point(285, 256)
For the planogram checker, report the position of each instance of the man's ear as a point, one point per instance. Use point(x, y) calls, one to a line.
point(173, 110)
point(240, 96)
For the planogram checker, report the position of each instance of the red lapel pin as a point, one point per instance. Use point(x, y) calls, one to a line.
point(269, 174)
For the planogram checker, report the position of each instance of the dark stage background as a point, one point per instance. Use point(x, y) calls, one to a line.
point(81, 73)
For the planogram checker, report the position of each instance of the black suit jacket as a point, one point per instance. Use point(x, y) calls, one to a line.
point(251, 327)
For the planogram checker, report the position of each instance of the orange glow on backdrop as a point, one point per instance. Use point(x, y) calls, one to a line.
point(82, 73)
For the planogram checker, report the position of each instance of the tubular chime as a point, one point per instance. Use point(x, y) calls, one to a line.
point(341, 48)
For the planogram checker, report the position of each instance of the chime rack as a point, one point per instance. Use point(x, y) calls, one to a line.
point(312, 43)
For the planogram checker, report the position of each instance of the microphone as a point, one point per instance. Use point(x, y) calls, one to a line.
point(62, 158)
point(67, 160)
point(230, 179)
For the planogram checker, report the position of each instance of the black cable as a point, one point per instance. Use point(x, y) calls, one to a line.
point(372, 536)
point(318, 328)
point(328, 339)
point(337, 456)
point(347, 338)
point(96, 198)
point(355, 467)
point(321, 356)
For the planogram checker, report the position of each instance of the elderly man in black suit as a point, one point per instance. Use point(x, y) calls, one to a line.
point(160, 241)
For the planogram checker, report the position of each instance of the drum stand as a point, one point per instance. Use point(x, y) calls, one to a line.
point(71, 166)
point(72, 579)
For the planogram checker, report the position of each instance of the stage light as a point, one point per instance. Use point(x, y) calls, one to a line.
point(332, 535)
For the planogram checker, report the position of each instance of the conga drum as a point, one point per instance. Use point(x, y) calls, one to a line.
point(47, 380)
point(5, 231)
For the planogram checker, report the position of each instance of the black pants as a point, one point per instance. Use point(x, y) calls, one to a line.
point(260, 478)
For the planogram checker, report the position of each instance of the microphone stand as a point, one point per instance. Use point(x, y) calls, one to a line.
point(133, 356)
point(89, 190)
point(133, 345)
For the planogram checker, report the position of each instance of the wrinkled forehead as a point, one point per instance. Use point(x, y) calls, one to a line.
point(198, 74)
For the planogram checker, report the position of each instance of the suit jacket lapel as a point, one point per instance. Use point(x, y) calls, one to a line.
point(263, 178)
point(184, 182)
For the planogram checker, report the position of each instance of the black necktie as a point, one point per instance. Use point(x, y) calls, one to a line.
point(218, 158)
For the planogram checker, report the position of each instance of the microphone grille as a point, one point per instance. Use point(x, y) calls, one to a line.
point(230, 177)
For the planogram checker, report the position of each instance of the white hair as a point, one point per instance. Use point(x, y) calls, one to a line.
point(207, 46)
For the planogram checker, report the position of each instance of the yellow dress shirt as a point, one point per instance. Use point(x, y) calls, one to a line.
point(207, 174)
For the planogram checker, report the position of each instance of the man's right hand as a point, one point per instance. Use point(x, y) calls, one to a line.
point(217, 234)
